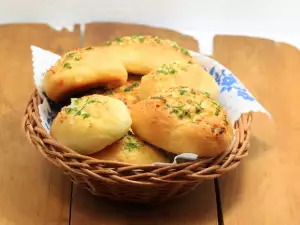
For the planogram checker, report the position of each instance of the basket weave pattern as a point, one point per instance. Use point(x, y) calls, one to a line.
point(126, 182)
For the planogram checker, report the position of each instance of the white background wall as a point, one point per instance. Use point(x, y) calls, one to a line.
point(275, 19)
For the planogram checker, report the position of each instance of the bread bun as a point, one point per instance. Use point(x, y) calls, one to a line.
point(185, 73)
point(183, 120)
point(109, 65)
point(140, 54)
point(82, 69)
point(91, 123)
point(128, 93)
point(130, 149)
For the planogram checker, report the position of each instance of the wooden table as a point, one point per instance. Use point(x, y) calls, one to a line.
point(264, 189)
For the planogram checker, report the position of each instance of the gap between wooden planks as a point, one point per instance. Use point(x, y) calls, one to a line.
point(195, 209)
point(32, 191)
point(265, 188)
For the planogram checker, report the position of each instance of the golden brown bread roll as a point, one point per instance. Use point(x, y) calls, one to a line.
point(109, 65)
point(127, 93)
point(82, 69)
point(183, 120)
point(140, 54)
point(185, 73)
point(91, 123)
point(130, 149)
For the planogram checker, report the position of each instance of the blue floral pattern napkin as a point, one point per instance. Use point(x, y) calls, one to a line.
point(233, 95)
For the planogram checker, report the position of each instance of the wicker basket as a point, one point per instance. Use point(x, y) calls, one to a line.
point(126, 182)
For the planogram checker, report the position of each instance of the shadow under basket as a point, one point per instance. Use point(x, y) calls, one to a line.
point(133, 183)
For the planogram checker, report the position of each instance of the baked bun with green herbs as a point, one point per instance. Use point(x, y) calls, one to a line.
point(127, 93)
point(140, 54)
point(109, 65)
point(183, 120)
point(83, 69)
point(91, 123)
point(184, 73)
point(130, 149)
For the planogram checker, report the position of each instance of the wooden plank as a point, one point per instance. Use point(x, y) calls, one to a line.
point(196, 208)
point(265, 189)
point(32, 191)
point(98, 33)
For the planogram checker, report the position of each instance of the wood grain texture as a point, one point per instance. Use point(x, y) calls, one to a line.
point(197, 208)
point(32, 191)
point(265, 189)
point(99, 33)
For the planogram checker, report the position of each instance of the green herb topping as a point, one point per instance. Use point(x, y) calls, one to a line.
point(75, 110)
point(217, 112)
point(184, 51)
point(77, 58)
point(85, 115)
point(186, 109)
point(158, 41)
point(131, 87)
point(119, 40)
point(206, 94)
point(175, 45)
point(140, 38)
point(183, 103)
point(70, 54)
point(218, 108)
point(183, 92)
point(131, 143)
point(187, 92)
point(166, 69)
point(67, 65)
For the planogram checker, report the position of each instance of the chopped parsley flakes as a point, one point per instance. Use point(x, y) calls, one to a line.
point(67, 65)
point(166, 69)
point(131, 87)
point(140, 38)
point(131, 143)
point(76, 110)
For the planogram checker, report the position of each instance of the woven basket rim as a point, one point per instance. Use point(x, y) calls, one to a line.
point(68, 159)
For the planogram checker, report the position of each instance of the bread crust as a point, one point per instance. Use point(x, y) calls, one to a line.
point(109, 65)
point(131, 149)
point(127, 93)
point(83, 69)
point(183, 120)
point(185, 73)
point(91, 123)
point(141, 54)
